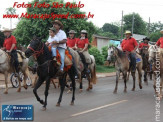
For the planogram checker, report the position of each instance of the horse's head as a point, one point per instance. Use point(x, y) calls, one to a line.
point(152, 52)
point(35, 47)
point(145, 51)
point(110, 53)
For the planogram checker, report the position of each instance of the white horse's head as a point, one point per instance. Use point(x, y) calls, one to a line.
point(110, 53)
point(152, 52)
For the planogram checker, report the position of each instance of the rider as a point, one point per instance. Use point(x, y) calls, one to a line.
point(61, 43)
point(10, 46)
point(82, 46)
point(129, 44)
point(71, 40)
point(160, 41)
point(144, 43)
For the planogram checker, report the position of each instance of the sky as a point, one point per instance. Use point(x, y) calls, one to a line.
point(105, 11)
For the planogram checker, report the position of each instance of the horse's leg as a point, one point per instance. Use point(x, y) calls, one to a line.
point(145, 77)
point(38, 84)
point(89, 82)
point(117, 79)
point(133, 76)
point(72, 77)
point(34, 83)
point(124, 76)
point(62, 82)
point(128, 74)
point(139, 69)
point(80, 82)
point(46, 93)
point(19, 79)
point(6, 82)
point(26, 74)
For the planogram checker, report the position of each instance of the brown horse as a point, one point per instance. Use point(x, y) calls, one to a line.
point(146, 66)
point(123, 66)
point(156, 58)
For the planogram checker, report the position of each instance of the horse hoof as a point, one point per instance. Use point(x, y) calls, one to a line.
point(5, 92)
point(72, 103)
point(19, 90)
point(87, 89)
point(80, 90)
point(115, 92)
point(26, 87)
point(133, 89)
point(140, 87)
point(90, 87)
point(43, 108)
point(69, 91)
point(125, 91)
point(58, 104)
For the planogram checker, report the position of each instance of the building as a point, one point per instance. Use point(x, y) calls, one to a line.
point(138, 37)
point(99, 41)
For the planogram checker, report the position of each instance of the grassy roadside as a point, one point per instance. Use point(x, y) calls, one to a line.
point(104, 69)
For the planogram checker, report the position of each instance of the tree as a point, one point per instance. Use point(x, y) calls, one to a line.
point(10, 11)
point(105, 52)
point(154, 27)
point(155, 36)
point(107, 27)
point(139, 24)
point(27, 28)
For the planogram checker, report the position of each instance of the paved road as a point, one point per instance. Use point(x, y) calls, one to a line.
point(98, 105)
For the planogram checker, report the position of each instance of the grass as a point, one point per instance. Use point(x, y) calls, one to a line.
point(104, 69)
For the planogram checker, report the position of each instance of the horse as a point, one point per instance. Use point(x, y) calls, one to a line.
point(80, 70)
point(6, 67)
point(156, 59)
point(122, 65)
point(47, 69)
point(110, 57)
point(146, 66)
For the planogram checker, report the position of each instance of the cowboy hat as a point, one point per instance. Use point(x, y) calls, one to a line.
point(72, 31)
point(59, 23)
point(84, 31)
point(53, 29)
point(7, 30)
point(128, 32)
point(146, 38)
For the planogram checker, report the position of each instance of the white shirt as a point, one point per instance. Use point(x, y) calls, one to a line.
point(51, 39)
point(61, 36)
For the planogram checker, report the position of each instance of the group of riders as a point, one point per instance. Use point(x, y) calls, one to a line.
point(58, 41)
point(130, 45)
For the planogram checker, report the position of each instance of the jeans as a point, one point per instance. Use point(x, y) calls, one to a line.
point(133, 61)
point(54, 51)
point(14, 57)
point(62, 54)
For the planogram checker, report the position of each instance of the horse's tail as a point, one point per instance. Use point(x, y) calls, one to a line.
point(94, 75)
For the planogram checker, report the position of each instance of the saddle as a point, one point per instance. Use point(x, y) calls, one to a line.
point(68, 59)
point(21, 56)
point(138, 59)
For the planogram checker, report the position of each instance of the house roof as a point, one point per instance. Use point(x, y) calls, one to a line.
point(138, 36)
point(102, 37)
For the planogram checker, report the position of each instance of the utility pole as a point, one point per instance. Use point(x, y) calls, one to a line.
point(149, 26)
point(122, 27)
point(133, 23)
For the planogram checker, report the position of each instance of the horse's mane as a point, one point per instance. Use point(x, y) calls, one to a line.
point(120, 53)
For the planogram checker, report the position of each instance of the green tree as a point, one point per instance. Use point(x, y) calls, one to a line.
point(155, 36)
point(154, 27)
point(10, 11)
point(27, 28)
point(105, 52)
point(139, 24)
point(98, 56)
point(107, 27)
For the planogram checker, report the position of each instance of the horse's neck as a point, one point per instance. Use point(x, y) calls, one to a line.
point(44, 57)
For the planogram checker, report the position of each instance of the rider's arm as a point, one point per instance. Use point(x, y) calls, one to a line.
point(12, 47)
point(85, 48)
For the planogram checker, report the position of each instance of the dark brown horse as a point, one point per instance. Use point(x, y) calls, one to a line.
point(123, 66)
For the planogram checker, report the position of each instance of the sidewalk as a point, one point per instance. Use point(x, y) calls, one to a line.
point(2, 79)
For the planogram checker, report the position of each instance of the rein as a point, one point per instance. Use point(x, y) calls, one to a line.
point(36, 52)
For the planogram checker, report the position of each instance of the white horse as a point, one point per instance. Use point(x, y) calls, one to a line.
point(156, 58)
point(6, 68)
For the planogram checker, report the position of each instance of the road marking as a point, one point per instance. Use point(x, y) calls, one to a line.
point(101, 107)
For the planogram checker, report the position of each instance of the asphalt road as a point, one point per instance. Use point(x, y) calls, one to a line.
point(97, 105)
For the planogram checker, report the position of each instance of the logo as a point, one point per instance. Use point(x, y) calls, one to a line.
point(17, 112)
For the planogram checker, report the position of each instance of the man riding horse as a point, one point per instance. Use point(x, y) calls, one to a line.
point(9, 46)
point(129, 44)
point(144, 44)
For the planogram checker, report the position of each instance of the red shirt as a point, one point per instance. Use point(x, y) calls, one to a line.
point(129, 44)
point(141, 45)
point(81, 42)
point(9, 41)
point(160, 42)
point(71, 42)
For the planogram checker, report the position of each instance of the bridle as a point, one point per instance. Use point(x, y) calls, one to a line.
point(39, 51)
